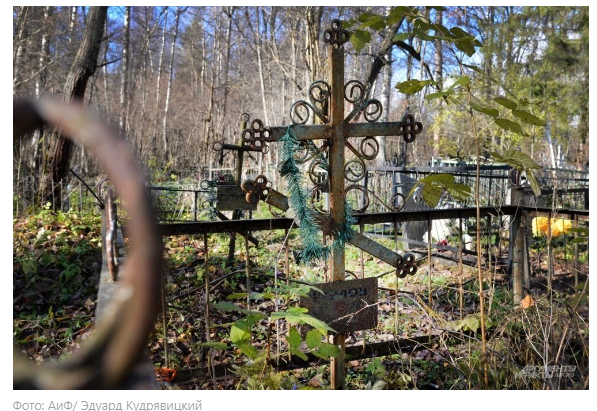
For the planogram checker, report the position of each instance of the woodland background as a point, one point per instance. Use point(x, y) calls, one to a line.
point(175, 79)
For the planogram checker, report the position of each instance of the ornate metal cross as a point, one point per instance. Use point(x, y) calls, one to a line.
point(327, 102)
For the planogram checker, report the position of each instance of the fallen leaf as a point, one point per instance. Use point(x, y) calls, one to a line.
point(527, 302)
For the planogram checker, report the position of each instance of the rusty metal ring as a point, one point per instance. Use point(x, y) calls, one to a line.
point(218, 145)
point(365, 197)
point(409, 258)
point(106, 359)
point(248, 139)
point(261, 180)
point(244, 117)
point(411, 269)
point(247, 185)
point(256, 125)
point(397, 206)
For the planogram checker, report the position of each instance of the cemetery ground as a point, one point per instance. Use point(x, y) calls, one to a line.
point(57, 259)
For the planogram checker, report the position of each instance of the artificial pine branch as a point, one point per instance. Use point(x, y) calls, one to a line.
point(304, 215)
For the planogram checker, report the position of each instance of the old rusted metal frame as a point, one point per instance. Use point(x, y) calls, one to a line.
point(353, 353)
point(336, 181)
point(120, 339)
point(200, 227)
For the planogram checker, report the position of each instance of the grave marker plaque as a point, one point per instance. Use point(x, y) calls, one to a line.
point(345, 306)
point(232, 198)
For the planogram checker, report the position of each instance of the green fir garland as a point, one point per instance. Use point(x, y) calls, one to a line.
point(304, 215)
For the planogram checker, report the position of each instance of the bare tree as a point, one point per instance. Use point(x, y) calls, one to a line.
point(83, 67)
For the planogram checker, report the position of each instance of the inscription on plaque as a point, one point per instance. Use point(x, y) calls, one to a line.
point(232, 198)
point(345, 306)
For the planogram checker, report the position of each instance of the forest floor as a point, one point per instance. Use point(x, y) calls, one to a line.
point(56, 263)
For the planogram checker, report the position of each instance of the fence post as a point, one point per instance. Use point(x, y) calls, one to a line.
point(517, 254)
point(195, 205)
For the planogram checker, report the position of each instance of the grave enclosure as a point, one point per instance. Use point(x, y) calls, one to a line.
point(335, 151)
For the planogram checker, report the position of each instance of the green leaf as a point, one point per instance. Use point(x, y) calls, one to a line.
point(432, 194)
point(293, 338)
point(473, 67)
point(469, 323)
point(465, 46)
point(330, 350)
point(359, 39)
point(236, 296)
point(581, 231)
point(299, 354)
point(534, 183)
point(439, 94)
point(503, 101)
point(397, 13)
point(517, 159)
point(578, 240)
point(313, 339)
point(460, 33)
point(460, 81)
point(510, 126)
point(435, 185)
point(375, 22)
point(240, 332)
point(401, 36)
point(248, 350)
point(412, 86)
point(216, 345)
point(528, 118)
point(492, 112)
point(227, 306)
point(348, 23)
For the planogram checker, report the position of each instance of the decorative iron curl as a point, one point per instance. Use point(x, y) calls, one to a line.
point(365, 194)
point(318, 172)
point(335, 35)
point(355, 92)
point(355, 170)
point(319, 93)
point(368, 148)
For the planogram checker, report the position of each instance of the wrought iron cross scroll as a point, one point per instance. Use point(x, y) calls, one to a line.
point(327, 102)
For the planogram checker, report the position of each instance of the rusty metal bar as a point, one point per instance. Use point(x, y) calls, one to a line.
point(376, 250)
point(120, 339)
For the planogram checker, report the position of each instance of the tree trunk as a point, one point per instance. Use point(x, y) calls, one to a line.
point(82, 69)
point(19, 42)
point(124, 75)
point(157, 91)
point(167, 150)
point(438, 74)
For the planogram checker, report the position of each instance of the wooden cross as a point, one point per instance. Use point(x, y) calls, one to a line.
point(336, 130)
